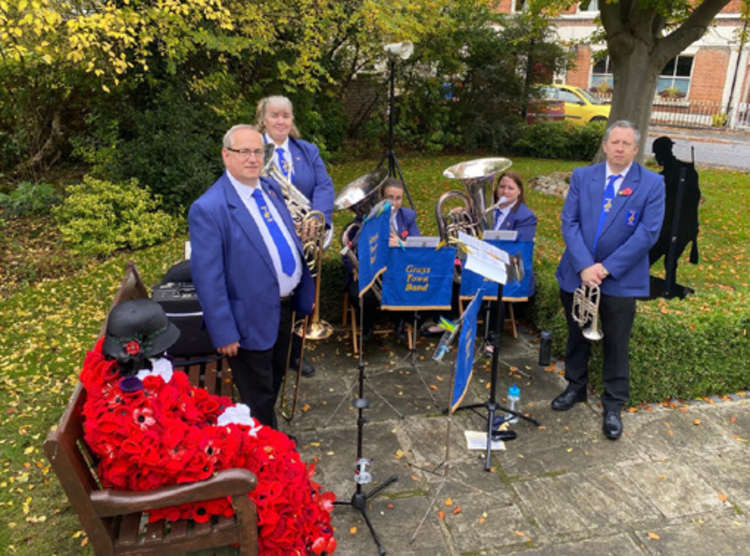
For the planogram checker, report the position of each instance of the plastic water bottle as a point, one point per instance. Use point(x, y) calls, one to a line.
point(514, 401)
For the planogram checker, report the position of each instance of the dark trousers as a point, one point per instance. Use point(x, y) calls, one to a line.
point(258, 374)
point(616, 316)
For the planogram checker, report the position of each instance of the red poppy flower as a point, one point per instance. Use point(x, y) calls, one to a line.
point(133, 347)
point(627, 192)
point(404, 234)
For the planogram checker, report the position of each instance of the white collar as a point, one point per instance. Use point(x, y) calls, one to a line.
point(241, 188)
point(621, 174)
point(284, 145)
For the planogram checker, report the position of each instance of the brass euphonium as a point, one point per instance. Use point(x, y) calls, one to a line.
point(586, 308)
point(360, 196)
point(478, 177)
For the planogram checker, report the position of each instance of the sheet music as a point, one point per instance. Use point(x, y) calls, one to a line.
point(505, 235)
point(485, 259)
point(422, 241)
point(477, 440)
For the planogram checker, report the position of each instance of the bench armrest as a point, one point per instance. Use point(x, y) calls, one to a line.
point(228, 482)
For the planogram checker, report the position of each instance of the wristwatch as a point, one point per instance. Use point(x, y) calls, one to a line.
point(606, 272)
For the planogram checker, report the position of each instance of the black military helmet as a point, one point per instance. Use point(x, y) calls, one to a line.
point(138, 329)
point(662, 144)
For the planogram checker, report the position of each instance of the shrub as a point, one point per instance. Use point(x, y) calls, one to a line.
point(560, 140)
point(98, 217)
point(681, 348)
point(28, 198)
point(719, 119)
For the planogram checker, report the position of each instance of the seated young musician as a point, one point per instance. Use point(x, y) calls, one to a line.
point(403, 220)
point(403, 225)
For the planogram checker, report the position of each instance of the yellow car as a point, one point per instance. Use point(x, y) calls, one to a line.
point(580, 106)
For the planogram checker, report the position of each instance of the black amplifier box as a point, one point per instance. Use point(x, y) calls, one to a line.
point(180, 302)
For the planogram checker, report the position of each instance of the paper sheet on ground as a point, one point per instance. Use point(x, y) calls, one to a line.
point(485, 259)
point(477, 440)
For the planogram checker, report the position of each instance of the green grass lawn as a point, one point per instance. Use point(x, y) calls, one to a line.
point(46, 327)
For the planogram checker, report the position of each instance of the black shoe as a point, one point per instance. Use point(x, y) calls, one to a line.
point(568, 399)
point(612, 425)
point(307, 369)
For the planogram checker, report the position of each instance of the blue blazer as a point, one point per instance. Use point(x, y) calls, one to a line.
point(523, 220)
point(311, 177)
point(406, 221)
point(233, 272)
point(630, 229)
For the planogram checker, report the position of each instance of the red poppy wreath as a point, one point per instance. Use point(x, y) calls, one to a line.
point(156, 429)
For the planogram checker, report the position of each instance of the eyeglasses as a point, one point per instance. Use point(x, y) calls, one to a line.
point(247, 153)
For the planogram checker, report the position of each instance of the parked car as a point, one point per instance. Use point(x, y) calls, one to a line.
point(579, 106)
point(542, 109)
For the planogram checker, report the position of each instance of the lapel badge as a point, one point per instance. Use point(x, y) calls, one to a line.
point(631, 217)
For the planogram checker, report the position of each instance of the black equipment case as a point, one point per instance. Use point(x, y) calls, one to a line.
point(177, 296)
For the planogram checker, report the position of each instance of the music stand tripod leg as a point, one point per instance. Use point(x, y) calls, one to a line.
point(359, 498)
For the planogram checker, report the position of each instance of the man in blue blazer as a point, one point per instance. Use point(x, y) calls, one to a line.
point(248, 268)
point(610, 220)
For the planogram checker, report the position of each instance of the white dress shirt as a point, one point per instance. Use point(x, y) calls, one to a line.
point(503, 215)
point(618, 181)
point(287, 154)
point(286, 283)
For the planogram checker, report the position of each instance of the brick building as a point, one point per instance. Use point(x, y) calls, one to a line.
point(707, 73)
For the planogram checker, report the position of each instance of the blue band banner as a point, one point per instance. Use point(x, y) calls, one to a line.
point(418, 278)
point(471, 282)
point(465, 355)
point(372, 248)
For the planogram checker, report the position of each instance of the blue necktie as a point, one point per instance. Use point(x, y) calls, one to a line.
point(498, 216)
point(285, 253)
point(607, 200)
point(283, 164)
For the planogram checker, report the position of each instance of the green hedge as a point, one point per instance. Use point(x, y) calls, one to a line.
point(680, 348)
point(560, 140)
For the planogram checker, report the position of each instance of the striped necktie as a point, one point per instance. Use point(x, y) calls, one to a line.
point(285, 252)
point(607, 199)
point(283, 164)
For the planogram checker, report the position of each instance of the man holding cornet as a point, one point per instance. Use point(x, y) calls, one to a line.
point(610, 220)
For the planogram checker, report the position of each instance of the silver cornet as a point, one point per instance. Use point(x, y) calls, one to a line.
point(586, 308)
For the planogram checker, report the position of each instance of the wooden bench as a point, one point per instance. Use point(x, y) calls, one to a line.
point(114, 520)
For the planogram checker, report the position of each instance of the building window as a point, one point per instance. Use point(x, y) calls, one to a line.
point(593, 6)
point(519, 5)
point(674, 79)
point(601, 76)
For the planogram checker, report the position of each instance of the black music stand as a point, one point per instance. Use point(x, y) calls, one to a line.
point(394, 170)
point(359, 498)
point(491, 405)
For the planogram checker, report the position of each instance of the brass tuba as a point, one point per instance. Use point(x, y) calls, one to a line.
point(478, 177)
point(586, 308)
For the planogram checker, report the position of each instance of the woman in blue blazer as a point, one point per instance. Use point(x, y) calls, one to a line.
point(301, 164)
point(299, 160)
point(512, 212)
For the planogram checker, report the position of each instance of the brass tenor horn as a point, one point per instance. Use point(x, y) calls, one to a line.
point(586, 308)
point(296, 202)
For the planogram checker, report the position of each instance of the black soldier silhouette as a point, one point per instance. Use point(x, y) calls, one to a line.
point(680, 225)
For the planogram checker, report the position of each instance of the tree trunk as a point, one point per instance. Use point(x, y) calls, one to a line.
point(634, 88)
point(638, 50)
